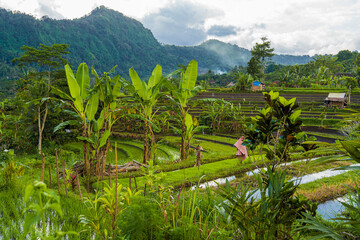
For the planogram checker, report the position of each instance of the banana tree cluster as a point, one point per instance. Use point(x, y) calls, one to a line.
point(276, 129)
point(222, 115)
point(85, 101)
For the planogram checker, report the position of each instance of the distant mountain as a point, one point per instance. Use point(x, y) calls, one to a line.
point(106, 38)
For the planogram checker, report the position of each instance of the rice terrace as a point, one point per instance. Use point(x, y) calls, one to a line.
point(167, 147)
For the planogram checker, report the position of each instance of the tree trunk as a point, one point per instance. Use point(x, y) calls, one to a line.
point(39, 128)
point(41, 123)
point(263, 69)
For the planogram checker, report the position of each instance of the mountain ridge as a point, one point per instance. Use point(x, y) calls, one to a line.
point(105, 38)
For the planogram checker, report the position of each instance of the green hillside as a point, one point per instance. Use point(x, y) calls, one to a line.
point(106, 38)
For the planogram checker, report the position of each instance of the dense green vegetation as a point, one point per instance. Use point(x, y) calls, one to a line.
point(322, 72)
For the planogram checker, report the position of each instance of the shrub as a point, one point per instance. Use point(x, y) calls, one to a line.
point(142, 219)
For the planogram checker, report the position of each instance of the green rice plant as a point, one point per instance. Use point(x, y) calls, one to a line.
point(103, 211)
point(211, 150)
point(170, 154)
point(220, 139)
point(161, 153)
point(318, 121)
point(211, 171)
point(142, 219)
point(191, 215)
point(11, 214)
point(134, 151)
point(72, 208)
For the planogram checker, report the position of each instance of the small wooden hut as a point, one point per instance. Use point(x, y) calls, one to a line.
point(336, 99)
point(257, 86)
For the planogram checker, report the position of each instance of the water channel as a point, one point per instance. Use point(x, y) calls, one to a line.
point(328, 209)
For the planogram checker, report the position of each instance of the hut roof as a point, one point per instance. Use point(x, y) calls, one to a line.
point(257, 83)
point(338, 97)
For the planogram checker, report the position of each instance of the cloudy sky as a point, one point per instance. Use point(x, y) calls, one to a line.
point(293, 26)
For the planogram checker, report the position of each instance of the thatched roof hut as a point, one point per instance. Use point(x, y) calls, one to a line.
point(336, 99)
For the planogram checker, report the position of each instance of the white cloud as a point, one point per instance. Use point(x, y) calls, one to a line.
point(48, 8)
point(180, 22)
point(293, 27)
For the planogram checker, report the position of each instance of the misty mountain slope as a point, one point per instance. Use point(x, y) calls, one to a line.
point(229, 54)
point(105, 38)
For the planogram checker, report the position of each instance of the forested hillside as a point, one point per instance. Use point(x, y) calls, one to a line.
point(106, 38)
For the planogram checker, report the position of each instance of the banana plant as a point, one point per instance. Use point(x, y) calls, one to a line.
point(182, 95)
point(85, 102)
point(192, 127)
point(147, 95)
point(79, 101)
point(108, 90)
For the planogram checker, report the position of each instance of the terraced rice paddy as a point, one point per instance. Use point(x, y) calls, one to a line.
point(306, 100)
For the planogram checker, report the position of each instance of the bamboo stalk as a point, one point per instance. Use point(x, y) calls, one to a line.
point(64, 176)
point(116, 185)
point(43, 167)
point(109, 170)
point(57, 170)
point(102, 180)
point(50, 175)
